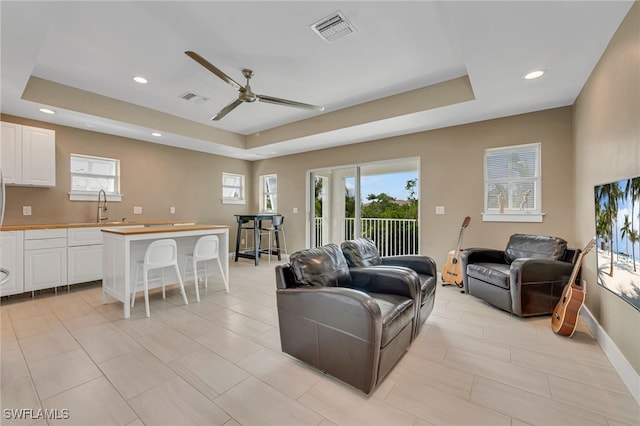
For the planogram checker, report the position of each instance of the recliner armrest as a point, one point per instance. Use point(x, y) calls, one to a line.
point(386, 279)
point(341, 308)
point(478, 255)
point(421, 264)
point(529, 270)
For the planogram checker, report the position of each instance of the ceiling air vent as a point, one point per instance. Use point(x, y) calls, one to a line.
point(334, 27)
point(194, 98)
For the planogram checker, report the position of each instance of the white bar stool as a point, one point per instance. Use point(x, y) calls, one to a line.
point(160, 254)
point(206, 248)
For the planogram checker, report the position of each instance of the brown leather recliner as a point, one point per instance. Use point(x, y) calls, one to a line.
point(526, 278)
point(363, 252)
point(352, 324)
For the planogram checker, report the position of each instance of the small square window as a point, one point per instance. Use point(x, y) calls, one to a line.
point(90, 175)
point(512, 184)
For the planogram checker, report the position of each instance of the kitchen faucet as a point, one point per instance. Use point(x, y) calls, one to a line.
point(102, 209)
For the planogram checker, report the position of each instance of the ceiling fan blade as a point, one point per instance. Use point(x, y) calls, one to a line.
point(286, 102)
point(226, 110)
point(208, 65)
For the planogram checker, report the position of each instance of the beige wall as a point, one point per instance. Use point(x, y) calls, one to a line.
point(451, 174)
point(607, 148)
point(155, 177)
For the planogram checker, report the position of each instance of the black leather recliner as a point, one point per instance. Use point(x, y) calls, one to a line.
point(363, 252)
point(527, 278)
point(352, 324)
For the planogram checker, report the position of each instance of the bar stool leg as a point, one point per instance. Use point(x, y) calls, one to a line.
point(184, 293)
point(145, 278)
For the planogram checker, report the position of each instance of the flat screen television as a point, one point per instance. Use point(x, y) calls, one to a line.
point(617, 207)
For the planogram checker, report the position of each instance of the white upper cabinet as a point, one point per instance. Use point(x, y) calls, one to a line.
point(11, 144)
point(28, 155)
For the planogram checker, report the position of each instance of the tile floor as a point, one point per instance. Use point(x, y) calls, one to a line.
point(219, 362)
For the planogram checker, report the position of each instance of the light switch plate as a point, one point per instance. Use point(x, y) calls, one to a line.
point(26, 210)
point(172, 210)
point(137, 210)
point(439, 209)
point(295, 210)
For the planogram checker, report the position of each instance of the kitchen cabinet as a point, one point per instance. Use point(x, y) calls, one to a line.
point(84, 255)
point(11, 258)
point(28, 155)
point(45, 259)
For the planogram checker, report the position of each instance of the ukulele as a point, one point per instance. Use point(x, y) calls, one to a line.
point(565, 315)
point(452, 271)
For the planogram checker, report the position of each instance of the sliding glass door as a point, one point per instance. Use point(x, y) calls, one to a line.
point(375, 200)
point(333, 205)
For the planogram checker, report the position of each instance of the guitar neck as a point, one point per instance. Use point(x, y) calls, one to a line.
point(459, 241)
point(576, 268)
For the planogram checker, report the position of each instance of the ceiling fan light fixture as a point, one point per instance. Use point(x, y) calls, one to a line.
point(334, 27)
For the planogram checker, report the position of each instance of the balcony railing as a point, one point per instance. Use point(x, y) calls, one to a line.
point(391, 236)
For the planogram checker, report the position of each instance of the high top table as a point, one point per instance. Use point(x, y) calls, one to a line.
point(124, 247)
point(257, 224)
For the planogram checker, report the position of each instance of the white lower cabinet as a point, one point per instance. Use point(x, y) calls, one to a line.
point(45, 259)
point(84, 263)
point(11, 258)
point(84, 255)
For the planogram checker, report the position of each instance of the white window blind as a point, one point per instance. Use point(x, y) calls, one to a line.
point(512, 183)
point(232, 188)
point(91, 174)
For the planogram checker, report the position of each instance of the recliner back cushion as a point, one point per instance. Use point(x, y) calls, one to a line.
point(320, 267)
point(534, 246)
point(361, 252)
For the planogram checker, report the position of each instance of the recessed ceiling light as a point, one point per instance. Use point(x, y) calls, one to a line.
point(140, 79)
point(534, 74)
point(156, 134)
point(46, 110)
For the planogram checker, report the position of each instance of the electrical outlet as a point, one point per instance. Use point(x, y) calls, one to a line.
point(242, 241)
point(137, 210)
point(26, 210)
point(172, 210)
point(439, 209)
point(295, 210)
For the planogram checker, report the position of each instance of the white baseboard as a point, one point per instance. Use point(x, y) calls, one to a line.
point(626, 372)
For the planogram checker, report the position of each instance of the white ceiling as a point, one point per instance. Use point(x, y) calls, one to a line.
point(399, 47)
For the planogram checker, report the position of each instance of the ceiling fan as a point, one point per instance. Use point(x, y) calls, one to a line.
point(246, 94)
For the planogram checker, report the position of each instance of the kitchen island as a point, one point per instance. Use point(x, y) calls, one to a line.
point(124, 247)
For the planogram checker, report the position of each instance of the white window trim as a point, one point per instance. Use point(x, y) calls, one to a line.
point(532, 216)
point(263, 194)
point(93, 195)
point(242, 199)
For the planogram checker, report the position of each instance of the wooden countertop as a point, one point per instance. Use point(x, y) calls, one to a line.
point(160, 229)
point(90, 225)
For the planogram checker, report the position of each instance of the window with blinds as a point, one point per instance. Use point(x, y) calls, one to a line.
point(89, 175)
point(512, 183)
point(233, 189)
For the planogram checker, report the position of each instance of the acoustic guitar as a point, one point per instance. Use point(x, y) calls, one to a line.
point(565, 315)
point(452, 271)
